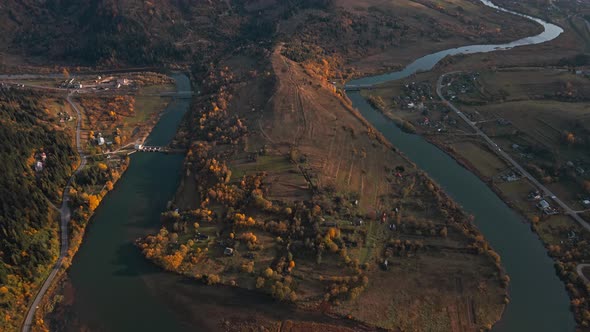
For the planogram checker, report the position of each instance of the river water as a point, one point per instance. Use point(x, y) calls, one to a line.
point(539, 301)
point(116, 289)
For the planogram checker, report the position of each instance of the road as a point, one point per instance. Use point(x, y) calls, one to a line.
point(65, 219)
point(567, 210)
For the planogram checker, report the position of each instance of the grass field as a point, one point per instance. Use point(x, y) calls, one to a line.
point(146, 106)
point(486, 162)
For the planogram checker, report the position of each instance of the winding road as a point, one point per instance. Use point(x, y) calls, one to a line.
point(505, 156)
point(65, 219)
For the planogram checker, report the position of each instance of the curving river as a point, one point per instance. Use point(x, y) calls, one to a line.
point(539, 301)
point(116, 289)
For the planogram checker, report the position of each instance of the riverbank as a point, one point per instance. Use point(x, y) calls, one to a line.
point(266, 206)
point(411, 146)
point(86, 196)
point(300, 140)
point(560, 227)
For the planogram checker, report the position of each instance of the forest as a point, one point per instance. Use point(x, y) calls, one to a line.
point(28, 223)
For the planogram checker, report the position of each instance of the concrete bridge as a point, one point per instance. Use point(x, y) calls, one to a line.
point(151, 148)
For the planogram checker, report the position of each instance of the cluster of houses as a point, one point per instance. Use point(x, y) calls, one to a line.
point(542, 204)
point(71, 84)
point(413, 100)
point(414, 96)
point(99, 83)
point(64, 116)
point(101, 141)
point(461, 84)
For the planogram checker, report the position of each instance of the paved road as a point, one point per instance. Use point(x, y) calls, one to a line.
point(65, 219)
point(505, 156)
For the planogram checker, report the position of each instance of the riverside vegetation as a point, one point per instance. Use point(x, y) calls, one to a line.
point(318, 208)
point(256, 210)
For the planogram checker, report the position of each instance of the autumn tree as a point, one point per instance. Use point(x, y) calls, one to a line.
point(93, 202)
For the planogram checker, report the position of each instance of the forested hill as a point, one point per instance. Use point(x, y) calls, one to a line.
point(28, 224)
point(113, 32)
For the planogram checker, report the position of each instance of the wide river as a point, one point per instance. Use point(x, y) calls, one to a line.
point(116, 289)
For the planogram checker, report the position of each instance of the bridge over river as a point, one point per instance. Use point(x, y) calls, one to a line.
point(153, 148)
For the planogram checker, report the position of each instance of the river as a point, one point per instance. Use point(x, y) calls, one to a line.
point(539, 301)
point(116, 289)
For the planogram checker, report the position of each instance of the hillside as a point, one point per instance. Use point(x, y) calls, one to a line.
point(136, 33)
point(288, 191)
point(280, 166)
point(35, 165)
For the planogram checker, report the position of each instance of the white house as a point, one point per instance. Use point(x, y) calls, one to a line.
point(39, 166)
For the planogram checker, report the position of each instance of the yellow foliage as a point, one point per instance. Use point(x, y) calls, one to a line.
point(3, 290)
point(268, 272)
point(333, 233)
point(102, 166)
point(172, 262)
point(93, 202)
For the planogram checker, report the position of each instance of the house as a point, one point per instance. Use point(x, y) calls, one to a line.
point(535, 195)
point(138, 146)
point(586, 202)
point(38, 166)
point(228, 251)
point(510, 177)
point(43, 156)
point(100, 140)
point(543, 205)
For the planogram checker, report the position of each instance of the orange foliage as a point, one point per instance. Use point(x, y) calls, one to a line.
point(248, 237)
point(93, 202)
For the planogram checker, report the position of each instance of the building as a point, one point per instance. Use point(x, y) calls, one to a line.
point(38, 166)
point(543, 205)
point(535, 195)
point(100, 140)
point(228, 251)
point(138, 146)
